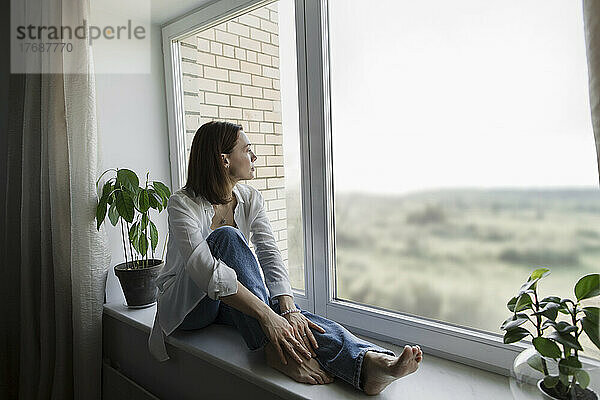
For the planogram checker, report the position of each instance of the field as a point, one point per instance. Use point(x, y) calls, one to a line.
point(459, 255)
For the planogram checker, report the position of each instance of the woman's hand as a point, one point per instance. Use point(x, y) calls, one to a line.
point(302, 332)
point(283, 337)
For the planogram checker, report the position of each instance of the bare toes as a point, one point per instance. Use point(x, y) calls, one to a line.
point(407, 352)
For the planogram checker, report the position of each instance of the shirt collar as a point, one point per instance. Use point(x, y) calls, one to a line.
point(207, 206)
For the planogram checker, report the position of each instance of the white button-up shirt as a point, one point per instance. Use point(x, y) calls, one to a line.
point(191, 272)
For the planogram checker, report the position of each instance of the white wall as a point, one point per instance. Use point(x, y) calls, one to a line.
point(132, 132)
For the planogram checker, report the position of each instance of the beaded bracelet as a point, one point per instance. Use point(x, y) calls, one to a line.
point(291, 310)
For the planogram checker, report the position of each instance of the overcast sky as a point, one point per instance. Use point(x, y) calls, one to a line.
point(431, 94)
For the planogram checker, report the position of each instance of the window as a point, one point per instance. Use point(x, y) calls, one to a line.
point(427, 158)
point(243, 70)
point(463, 155)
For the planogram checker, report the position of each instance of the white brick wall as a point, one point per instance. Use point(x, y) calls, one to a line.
point(231, 72)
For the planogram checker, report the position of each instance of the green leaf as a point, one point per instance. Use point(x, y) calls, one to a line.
point(564, 379)
point(550, 381)
point(566, 306)
point(528, 287)
point(113, 214)
point(561, 327)
point(163, 191)
point(143, 244)
point(535, 362)
point(533, 279)
point(539, 273)
point(128, 178)
point(135, 195)
point(591, 329)
point(163, 187)
point(155, 200)
point(100, 212)
point(523, 302)
point(132, 231)
point(566, 339)
point(582, 378)
point(515, 334)
point(569, 365)
point(125, 205)
point(106, 189)
point(550, 299)
point(144, 222)
point(133, 235)
point(550, 310)
point(592, 313)
point(548, 323)
point(514, 321)
point(511, 304)
point(153, 235)
point(144, 201)
point(565, 327)
point(546, 347)
point(588, 286)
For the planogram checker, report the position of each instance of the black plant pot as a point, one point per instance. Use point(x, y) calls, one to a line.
point(580, 394)
point(139, 284)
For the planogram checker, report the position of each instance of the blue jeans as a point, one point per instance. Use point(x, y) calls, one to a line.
point(340, 352)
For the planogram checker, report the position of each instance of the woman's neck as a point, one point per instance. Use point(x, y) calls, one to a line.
point(230, 188)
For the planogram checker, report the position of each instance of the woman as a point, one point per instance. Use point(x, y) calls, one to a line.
point(212, 276)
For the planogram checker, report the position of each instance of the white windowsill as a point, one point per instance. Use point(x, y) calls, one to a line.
point(436, 378)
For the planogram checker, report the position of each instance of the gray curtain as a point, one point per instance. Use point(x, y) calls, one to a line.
point(40, 288)
point(10, 239)
point(54, 262)
point(591, 17)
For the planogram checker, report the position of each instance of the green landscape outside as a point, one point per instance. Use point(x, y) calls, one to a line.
point(458, 256)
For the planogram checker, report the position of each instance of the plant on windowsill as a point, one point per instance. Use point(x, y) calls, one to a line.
point(127, 203)
point(564, 376)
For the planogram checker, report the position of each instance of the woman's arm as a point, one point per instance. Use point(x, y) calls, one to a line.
point(300, 323)
point(247, 302)
point(286, 302)
point(276, 275)
point(277, 329)
point(267, 252)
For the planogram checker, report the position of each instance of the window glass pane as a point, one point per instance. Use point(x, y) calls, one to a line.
point(244, 71)
point(463, 156)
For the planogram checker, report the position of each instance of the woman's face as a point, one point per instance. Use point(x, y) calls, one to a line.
point(240, 162)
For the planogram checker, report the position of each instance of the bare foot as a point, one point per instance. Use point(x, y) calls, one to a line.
point(308, 372)
point(379, 370)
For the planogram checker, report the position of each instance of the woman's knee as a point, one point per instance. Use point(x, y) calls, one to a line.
point(227, 233)
point(229, 245)
point(226, 236)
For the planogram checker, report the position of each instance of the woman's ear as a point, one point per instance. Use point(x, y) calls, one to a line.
point(225, 159)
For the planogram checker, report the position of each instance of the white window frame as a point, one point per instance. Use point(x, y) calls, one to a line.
point(477, 348)
point(468, 346)
point(200, 19)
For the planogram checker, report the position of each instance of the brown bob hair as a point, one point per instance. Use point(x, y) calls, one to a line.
point(207, 176)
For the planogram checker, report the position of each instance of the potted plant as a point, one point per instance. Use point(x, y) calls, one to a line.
point(555, 340)
point(127, 203)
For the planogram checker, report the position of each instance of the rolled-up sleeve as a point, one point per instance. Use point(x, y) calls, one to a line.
point(211, 275)
point(269, 256)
